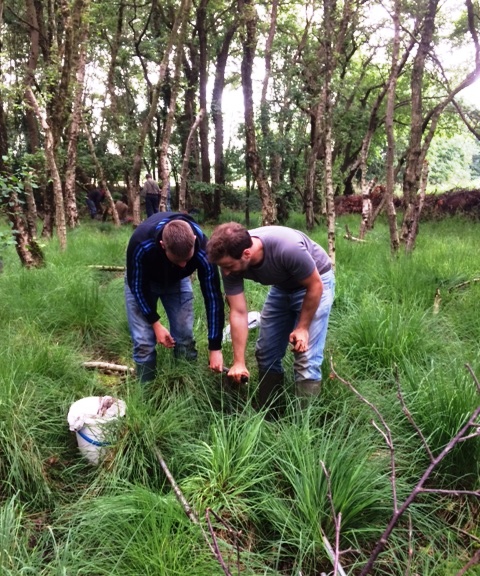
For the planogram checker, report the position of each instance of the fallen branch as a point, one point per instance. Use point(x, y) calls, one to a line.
point(348, 235)
point(337, 520)
point(231, 531)
point(437, 301)
point(108, 268)
point(472, 562)
point(109, 368)
point(419, 488)
point(462, 284)
point(386, 433)
point(190, 512)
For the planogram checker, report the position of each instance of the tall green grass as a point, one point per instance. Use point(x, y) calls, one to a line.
point(59, 515)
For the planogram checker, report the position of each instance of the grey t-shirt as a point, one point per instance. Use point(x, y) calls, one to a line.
point(289, 257)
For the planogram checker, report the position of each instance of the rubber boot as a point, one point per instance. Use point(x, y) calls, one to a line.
point(146, 372)
point(306, 390)
point(270, 392)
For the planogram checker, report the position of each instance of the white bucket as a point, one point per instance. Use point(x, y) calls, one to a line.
point(89, 418)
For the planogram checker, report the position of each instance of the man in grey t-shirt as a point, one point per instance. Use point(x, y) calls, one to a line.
point(297, 307)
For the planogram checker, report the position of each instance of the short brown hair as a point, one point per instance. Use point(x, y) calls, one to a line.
point(228, 240)
point(178, 238)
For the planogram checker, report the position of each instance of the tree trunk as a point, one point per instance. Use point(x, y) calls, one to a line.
point(134, 178)
point(389, 117)
point(217, 118)
point(269, 210)
point(419, 201)
point(52, 166)
point(329, 62)
point(367, 208)
point(317, 144)
point(71, 209)
point(27, 248)
point(182, 206)
point(207, 196)
point(167, 131)
point(415, 154)
point(101, 177)
point(272, 159)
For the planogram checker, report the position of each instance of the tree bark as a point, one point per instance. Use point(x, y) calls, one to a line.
point(52, 165)
point(317, 145)
point(415, 154)
point(248, 15)
point(167, 131)
point(71, 209)
point(207, 196)
point(217, 117)
point(389, 117)
point(182, 206)
point(181, 16)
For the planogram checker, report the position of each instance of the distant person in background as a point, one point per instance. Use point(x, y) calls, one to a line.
point(122, 211)
point(151, 192)
point(94, 199)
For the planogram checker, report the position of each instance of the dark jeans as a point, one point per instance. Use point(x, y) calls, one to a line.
point(151, 203)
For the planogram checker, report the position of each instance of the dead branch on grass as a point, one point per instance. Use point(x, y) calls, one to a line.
point(349, 236)
point(337, 520)
point(472, 562)
point(108, 268)
point(437, 301)
point(109, 368)
point(189, 511)
point(233, 533)
point(386, 433)
point(463, 284)
point(419, 487)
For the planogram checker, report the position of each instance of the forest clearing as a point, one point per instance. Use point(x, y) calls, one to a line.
point(308, 494)
point(355, 122)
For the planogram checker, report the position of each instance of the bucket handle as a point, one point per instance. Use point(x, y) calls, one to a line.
point(90, 440)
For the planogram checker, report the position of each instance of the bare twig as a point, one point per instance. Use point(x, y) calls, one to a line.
point(462, 284)
point(178, 493)
point(337, 520)
point(472, 562)
point(349, 235)
point(419, 488)
point(189, 510)
point(409, 416)
point(234, 533)
point(386, 433)
point(106, 268)
point(475, 379)
point(410, 546)
point(451, 492)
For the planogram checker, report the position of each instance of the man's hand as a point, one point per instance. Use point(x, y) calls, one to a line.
point(215, 361)
point(163, 336)
point(299, 340)
point(239, 373)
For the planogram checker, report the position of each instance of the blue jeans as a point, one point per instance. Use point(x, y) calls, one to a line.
point(178, 303)
point(152, 202)
point(279, 317)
